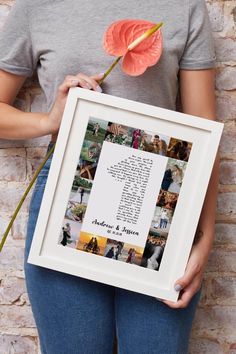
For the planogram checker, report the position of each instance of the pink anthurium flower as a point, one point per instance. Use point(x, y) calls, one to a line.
point(139, 42)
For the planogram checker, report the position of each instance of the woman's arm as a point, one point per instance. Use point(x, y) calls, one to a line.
point(198, 98)
point(15, 124)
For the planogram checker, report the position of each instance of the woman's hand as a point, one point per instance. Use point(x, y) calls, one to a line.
point(190, 283)
point(51, 121)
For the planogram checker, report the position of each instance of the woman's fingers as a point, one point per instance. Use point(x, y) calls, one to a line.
point(193, 268)
point(81, 80)
point(52, 122)
point(91, 81)
point(70, 81)
point(97, 76)
point(190, 283)
point(186, 295)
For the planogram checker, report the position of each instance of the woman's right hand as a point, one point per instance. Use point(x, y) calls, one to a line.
point(51, 121)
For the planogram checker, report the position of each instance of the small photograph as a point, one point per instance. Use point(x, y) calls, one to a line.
point(113, 249)
point(153, 251)
point(75, 211)
point(69, 233)
point(91, 243)
point(167, 200)
point(155, 143)
point(131, 254)
point(162, 220)
point(179, 149)
point(80, 190)
point(96, 130)
point(86, 169)
point(90, 151)
point(136, 138)
point(118, 134)
point(173, 176)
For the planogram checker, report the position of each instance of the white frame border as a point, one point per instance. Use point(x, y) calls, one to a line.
point(41, 254)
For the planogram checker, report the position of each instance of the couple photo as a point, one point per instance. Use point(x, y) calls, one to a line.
point(153, 251)
point(162, 220)
point(114, 249)
point(179, 149)
point(91, 243)
point(69, 233)
point(173, 176)
point(154, 143)
point(167, 200)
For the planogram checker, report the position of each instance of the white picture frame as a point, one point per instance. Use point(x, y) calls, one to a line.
point(138, 125)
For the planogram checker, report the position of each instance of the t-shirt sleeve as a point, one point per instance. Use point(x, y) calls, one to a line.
point(199, 52)
point(16, 52)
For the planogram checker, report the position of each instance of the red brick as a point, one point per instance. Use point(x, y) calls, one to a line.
point(222, 260)
point(204, 346)
point(215, 318)
point(225, 49)
point(226, 107)
point(224, 289)
point(12, 258)
point(216, 16)
point(228, 172)
point(36, 142)
point(226, 79)
point(19, 227)
point(12, 169)
point(11, 289)
point(225, 234)
point(226, 203)
point(18, 344)
point(16, 317)
point(4, 221)
point(228, 141)
point(11, 194)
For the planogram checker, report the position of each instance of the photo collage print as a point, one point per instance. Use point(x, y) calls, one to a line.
point(177, 151)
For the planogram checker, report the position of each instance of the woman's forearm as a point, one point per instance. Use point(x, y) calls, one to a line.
point(198, 98)
point(206, 226)
point(15, 124)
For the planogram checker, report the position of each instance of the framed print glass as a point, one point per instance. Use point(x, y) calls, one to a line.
point(124, 192)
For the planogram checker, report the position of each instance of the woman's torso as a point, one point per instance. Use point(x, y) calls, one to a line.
point(67, 39)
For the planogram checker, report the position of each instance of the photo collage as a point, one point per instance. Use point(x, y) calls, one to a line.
point(177, 151)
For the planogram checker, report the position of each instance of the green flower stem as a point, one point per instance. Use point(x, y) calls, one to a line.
point(109, 70)
point(24, 196)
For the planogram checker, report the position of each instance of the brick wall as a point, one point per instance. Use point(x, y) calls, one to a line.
point(214, 329)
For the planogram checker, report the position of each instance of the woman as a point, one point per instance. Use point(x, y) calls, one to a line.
point(162, 147)
point(62, 41)
point(65, 237)
point(177, 178)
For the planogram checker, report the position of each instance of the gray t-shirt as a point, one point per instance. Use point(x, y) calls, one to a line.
point(64, 37)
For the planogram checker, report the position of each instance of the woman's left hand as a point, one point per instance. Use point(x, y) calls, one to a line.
point(191, 281)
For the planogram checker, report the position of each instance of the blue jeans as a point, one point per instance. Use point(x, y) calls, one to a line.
point(78, 316)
